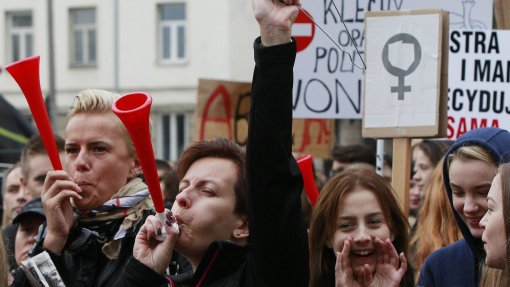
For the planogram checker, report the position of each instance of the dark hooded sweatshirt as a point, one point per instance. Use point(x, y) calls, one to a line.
point(458, 264)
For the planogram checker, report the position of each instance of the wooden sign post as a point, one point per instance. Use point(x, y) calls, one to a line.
point(406, 83)
point(502, 17)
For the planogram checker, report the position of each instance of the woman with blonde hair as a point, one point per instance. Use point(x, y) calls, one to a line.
point(436, 226)
point(96, 205)
point(469, 168)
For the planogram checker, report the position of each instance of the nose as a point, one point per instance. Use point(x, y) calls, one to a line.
point(416, 175)
point(361, 235)
point(483, 222)
point(22, 195)
point(183, 199)
point(82, 161)
point(471, 206)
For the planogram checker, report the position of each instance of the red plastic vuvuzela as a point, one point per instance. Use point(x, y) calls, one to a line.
point(26, 74)
point(306, 168)
point(134, 111)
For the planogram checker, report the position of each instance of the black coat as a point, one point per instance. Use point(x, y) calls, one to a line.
point(86, 265)
point(277, 253)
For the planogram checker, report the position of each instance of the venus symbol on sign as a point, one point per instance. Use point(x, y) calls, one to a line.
point(404, 38)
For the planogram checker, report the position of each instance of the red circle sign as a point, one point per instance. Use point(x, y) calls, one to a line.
point(303, 30)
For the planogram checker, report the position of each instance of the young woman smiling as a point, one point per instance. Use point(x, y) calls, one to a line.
point(356, 230)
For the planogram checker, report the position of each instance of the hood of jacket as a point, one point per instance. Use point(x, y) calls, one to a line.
point(497, 142)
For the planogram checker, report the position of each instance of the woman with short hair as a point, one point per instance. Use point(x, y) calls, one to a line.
point(238, 231)
point(96, 205)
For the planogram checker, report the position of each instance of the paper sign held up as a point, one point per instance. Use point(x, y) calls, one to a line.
point(406, 81)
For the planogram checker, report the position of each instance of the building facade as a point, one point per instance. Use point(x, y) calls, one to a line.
point(161, 47)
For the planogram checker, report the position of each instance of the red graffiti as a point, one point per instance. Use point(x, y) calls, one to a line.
point(220, 91)
point(307, 138)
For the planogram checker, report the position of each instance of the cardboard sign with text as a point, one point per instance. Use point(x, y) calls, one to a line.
point(326, 82)
point(479, 82)
point(222, 111)
point(406, 80)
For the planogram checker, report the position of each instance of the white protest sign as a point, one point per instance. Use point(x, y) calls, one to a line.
point(463, 14)
point(403, 76)
point(402, 61)
point(479, 80)
point(326, 83)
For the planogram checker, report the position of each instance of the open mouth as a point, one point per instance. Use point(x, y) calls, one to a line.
point(362, 253)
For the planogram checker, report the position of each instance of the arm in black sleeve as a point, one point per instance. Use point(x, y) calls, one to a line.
point(277, 233)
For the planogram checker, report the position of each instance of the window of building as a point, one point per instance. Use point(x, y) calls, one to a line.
point(173, 135)
point(20, 43)
point(172, 32)
point(83, 37)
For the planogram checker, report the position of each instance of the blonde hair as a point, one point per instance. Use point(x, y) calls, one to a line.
point(492, 277)
point(436, 226)
point(475, 152)
point(98, 102)
point(92, 101)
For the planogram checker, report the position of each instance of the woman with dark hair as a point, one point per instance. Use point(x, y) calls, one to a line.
point(496, 225)
point(239, 225)
point(358, 234)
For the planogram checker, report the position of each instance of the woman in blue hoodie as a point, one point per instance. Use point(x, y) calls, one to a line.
point(469, 168)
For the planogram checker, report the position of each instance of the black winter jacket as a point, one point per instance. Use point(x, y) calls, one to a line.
point(277, 253)
point(86, 265)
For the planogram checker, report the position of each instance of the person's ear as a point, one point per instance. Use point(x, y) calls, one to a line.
point(135, 169)
point(241, 232)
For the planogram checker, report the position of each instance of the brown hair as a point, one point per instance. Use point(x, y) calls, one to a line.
point(436, 226)
point(323, 222)
point(219, 148)
point(434, 150)
point(354, 153)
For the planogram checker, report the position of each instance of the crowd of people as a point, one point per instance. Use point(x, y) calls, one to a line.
point(237, 216)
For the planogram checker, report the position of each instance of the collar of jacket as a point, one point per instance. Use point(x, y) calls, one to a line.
point(222, 259)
